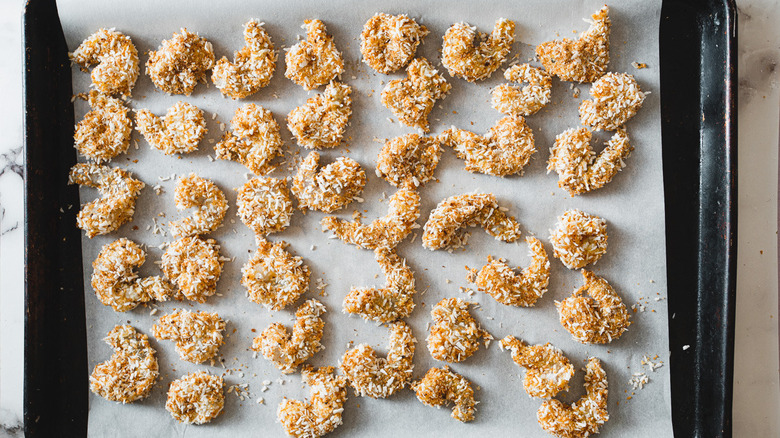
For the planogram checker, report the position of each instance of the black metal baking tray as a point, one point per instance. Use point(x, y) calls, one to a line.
point(698, 108)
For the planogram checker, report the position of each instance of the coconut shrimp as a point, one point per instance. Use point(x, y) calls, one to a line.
point(254, 140)
point(504, 150)
point(196, 398)
point(548, 371)
point(116, 283)
point(264, 205)
point(584, 417)
point(197, 335)
point(499, 281)
point(194, 265)
point(287, 351)
point(329, 189)
point(599, 318)
point(616, 98)
point(455, 334)
point(203, 194)
point(412, 99)
point(118, 190)
point(579, 239)
point(322, 414)
point(389, 230)
point(379, 377)
point(104, 132)
point(408, 161)
point(116, 58)
point(180, 63)
point(581, 60)
point(393, 301)
point(440, 385)
point(446, 223)
point(252, 67)
point(388, 42)
point(463, 59)
point(515, 101)
point(315, 61)
point(320, 122)
point(179, 132)
point(273, 277)
point(132, 370)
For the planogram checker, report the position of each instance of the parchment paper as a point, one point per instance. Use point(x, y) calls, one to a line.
point(632, 204)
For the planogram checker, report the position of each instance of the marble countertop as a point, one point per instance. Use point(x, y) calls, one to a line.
point(757, 366)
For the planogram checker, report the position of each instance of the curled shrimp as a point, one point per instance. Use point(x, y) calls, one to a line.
point(578, 167)
point(579, 238)
point(132, 370)
point(408, 161)
point(252, 67)
point(446, 223)
point(598, 318)
point(197, 335)
point(379, 377)
point(287, 351)
point(393, 301)
point(329, 188)
point(315, 61)
point(194, 265)
point(548, 371)
point(254, 140)
point(412, 99)
point(116, 58)
point(584, 417)
point(515, 101)
point(322, 414)
point(388, 42)
point(320, 122)
point(273, 277)
point(196, 398)
point(499, 281)
point(616, 98)
point(117, 285)
point(389, 230)
point(463, 59)
point(264, 205)
point(203, 194)
point(118, 190)
point(105, 131)
point(440, 385)
point(454, 335)
point(179, 132)
point(180, 63)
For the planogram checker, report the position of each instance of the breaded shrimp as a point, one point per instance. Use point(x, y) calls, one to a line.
point(455, 335)
point(197, 335)
point(254, 140)
point(315, 61)
point(104, 132)
point(288, 351)
point(264, 205)
point(548, 371)
point(515, 101)
point(196, 398)
point(132, 370)
point(273, 277)
point(463, 59)
point(179, 132)
point(408, 161)
point(320, 122)
point(598, 318)
point(329, 188)
point(616, 98)
point(116, 58)
point(194, 265)
point(207, 198)
point(252, 67)
point(440, 385)
point(412, 99)
point(579, 238)
point(320, 415)
point(180, 63)
point(388, 42)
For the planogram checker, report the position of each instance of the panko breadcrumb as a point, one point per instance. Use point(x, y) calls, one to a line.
point(273, 277)
point(393, 301)
point(579, 239)
point(320, 123)
point(388, 42)
point(329, 188)
point(196, 398)
point(581, 60)
point(194, 265)
point(116, 283)
point(455, 335)
point(254, 140)
point(548, 371)
point(288, 351)
point(598, 318)
point(118, 190)
point(499, 281)
point(315, 61)
point(180, 62)
point(104, 132)
point(584, 417)
point(209, 201)
point(463, 59)
point(447, 222)
point(408, 161)
point(389, 230)
point(578, 167)
point(616, 98)
point(380, 377)
point(411, 99)
point(504, 150)
point(132, 370)
point(322, 414)
point(252, 67)
point(197, 335)
point(116, 58)
point(440, 385)
point(264, 205)
point(515, 101)
point(179, 132)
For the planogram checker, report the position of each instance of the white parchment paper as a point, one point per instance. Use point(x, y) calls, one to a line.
point(632, 204)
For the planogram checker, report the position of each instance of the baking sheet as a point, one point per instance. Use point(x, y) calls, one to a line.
point(632, 204)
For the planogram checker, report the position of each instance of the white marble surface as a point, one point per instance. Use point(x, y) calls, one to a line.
point(757, 371)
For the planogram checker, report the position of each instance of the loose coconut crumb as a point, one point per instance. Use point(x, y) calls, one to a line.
point(515, 101)
point(273, 277)
point(315, 61)
point(209, 201)
point(132, 370)
point(179, 132)
point(440, 385)
point(408, 161)
point(548, 371)
point(197, 335)
point(499, 281)
point(579, 239)
point(320, 123)
point(252, 67)
point(104, 132)
point(322, 414)
point(388, 42)
point(254, 140)
point(196, 398)
point(287, 351)
point(411, 99)
point(194, 265)
point(329, 189)
point(463, 59)
point(180, 62)
point(116, 58)
point(455, 335)
point(616, 98)
point(598, 318)
point(264, 205)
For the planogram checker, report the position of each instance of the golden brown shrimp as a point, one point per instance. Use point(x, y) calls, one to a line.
point(455, 335)
point(388, 42)
point(579, 239)
point(329, 189)
point(116, 58)
point(463, 59)
point(203, 194)
point(196, 398)
point(104, 132)
point(264, 205)
point(315, 61)
point(598, 318)
point(287, 351)
point(180, 63)
point(252, 67)
point(179, 132)
point(616, 98)
point(320, 122)
point(515, 101)
point(273, 277)
point(408, 161)
point(132, 370)
point(321, 415)
point(254, 140)
point(194, 265)
point(412, 99)
point(440, 385)
point(548, 371)
point(197, 335)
